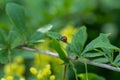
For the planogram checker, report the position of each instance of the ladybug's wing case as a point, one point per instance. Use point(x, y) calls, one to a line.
point(63, 38)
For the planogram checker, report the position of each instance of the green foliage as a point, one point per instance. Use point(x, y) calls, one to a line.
point(17, 16)
point(78, 41)
point(98, 50)
point(58, 48)
point(16, 35)
point(24, 54)
point(54, 35)
point(101, 60)
point(100, 42)
point(88, 55)
point(109, 54)
point(59, 13)
point(3, 38)
point(3, 56)
point(15, 39)
point(36, 38)
point(91, 76)
point(20, 31)
point(116, 62)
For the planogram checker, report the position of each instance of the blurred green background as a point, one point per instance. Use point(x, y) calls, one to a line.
point(97, 15)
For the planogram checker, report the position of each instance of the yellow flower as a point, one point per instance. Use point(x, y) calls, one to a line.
point(33, 70)
point(40, 76)
point(40, 59)
point(68, 31)
point(20, 70)
point(7, 69)
point(2, 79)
point(52, 77)
point(14, 66)
point(22, 78)
point(18, 59)
point(48, 66)
point(9, 78)
point(46, 72)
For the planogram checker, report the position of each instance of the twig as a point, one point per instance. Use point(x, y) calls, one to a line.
point(40, 51)
point(107, 66)
point(117, 69)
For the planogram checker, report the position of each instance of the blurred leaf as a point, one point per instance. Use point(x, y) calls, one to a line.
point(59, 50)
point(109, 53)
point(117, 60)
point(36, 38)
point(91, 76)
point(78, 41)
point(16, 42)
point(27, 55)
point(3, 56)
point(101, 60)
point(3, 38)
point(90, 55)
point(36, 42)
point(54, 35)
point(24, 54)
point(1, 48)
point(70, 50)
point(15, 39)
point(45, 28)
point(16, 14)
point(100, 42)
point(82, 59)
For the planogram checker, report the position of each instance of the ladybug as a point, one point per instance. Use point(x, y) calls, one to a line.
point(63, 38)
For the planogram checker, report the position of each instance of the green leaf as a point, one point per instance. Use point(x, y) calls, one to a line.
point(59, 50)
point(78, 41)
point(3, 56)
point(101, 60)
point(36, 36)
point(45, 28)
point(100, 42)
point(82, 59)
point(3, 38)
point(109, 53)
point(91, 76)
point(24, 54)
point(117, 60)
point(14, 39)
point(16, 42)
point(16, 14)
point(91, 55)
point(54, 35)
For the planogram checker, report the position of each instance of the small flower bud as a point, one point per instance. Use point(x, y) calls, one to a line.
point(9, 78)
point(39, 76)
point(52, 77)
point(33, 70)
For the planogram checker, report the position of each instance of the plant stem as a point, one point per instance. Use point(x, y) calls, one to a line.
point(106, 66)
point(65, 70)
point(10, 60)
point(74, 69)
point(112, 57)
point(86, 70)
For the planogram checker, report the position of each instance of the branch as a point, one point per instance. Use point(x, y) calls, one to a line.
point(40, 51)
point(106, 66)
